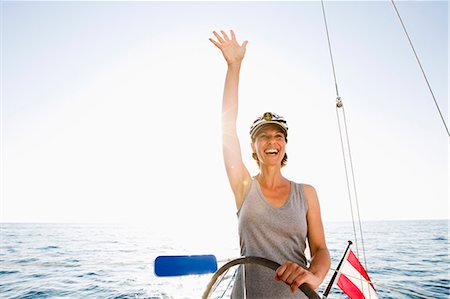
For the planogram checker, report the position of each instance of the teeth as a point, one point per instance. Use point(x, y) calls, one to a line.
point(271, 151)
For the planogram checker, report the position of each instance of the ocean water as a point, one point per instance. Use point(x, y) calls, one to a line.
point(116, 261)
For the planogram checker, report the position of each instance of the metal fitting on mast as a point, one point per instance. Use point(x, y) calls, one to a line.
point(339, 102)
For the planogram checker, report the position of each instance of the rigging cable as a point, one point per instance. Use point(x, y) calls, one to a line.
point(340, 106)
point(421, 68)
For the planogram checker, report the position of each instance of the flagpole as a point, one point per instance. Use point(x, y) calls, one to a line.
point(333, 278)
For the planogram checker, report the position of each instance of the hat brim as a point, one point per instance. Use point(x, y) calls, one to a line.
point(257, 128)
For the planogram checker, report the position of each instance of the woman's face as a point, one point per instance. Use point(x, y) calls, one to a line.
point(269, 145)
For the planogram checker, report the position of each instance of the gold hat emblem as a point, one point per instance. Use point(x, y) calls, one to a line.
point(268, 116)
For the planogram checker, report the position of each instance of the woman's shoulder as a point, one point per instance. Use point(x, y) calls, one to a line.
point(308, 188)
point(308, 191)
point(305, 187)
point(311, 196)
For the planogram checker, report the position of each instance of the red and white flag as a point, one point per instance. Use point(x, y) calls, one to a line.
point(354, 280)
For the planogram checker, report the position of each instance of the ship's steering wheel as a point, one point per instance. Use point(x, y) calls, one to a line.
point(306, 289)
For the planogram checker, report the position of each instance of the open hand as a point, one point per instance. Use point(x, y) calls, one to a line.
point(294, 276)
point(231, 50)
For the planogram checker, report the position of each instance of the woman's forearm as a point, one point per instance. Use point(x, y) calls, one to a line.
point(230, 95)
point(320, 264)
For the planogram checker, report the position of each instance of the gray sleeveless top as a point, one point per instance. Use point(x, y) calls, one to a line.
point(278, 234)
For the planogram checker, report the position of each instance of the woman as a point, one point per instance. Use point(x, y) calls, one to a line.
point(276, 216)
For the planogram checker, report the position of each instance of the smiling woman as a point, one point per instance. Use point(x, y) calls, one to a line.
point(271, 209)
point(278, 129)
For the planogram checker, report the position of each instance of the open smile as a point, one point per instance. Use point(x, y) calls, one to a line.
point(272, 152)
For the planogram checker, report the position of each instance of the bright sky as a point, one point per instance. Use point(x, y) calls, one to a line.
point(111, 110)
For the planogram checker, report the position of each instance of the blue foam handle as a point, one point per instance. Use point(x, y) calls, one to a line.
point(177, 265)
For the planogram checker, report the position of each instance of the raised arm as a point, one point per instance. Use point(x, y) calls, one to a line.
point(238, 174)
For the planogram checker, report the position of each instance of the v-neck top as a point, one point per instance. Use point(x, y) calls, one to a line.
point(278, 234)
point(261, 194)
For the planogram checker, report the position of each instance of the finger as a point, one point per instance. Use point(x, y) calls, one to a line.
point(233, 36)
point(296, 272)
point(225, 36)
point(218, 37)
point(287, 272)
point(215, 43)
point(280, 271)
point(297, 283)
point(294, 288)
point(244, 44)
